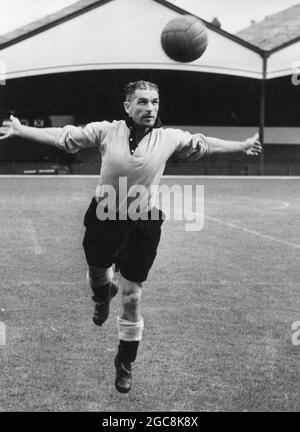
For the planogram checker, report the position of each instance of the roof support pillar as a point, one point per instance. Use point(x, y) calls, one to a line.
point(262, 110)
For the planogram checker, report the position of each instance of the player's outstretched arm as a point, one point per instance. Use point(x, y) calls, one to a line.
point(16, 129)
point(251, 146)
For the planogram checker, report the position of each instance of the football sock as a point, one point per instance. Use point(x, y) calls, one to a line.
point(129, 330)
point(127, 351)
point(130, 334)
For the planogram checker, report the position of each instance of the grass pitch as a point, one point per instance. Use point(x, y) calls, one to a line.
point(218, 305)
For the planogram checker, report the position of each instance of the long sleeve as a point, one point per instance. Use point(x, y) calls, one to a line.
point(73, 138)
point(191, 146)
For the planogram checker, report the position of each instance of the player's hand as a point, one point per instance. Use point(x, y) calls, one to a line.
point(11, 129)
point(252, 146)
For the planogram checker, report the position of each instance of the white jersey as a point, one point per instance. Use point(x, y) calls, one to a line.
point(144, 166)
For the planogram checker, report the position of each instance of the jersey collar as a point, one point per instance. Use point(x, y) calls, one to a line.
point(132, 135)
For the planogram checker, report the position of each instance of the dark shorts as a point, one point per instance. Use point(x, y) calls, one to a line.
point(131, 245)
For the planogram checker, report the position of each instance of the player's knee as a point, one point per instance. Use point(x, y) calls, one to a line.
point(99, 276)
point(131, 300)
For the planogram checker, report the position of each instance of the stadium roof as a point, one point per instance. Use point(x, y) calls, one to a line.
point(278, 36)
point(275, 31)
point(47, 21)
point(82, 6)
point(60, 42)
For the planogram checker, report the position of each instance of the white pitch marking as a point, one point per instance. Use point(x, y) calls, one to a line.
point(221, 222)
point(71, 176)
point(249, 231)
point(269, 237)
point(256, 233)
point(2, 333)
point(224, 177)
point(37, 249)
point(283, 206)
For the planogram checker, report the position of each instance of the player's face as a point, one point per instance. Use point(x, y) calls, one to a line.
point(143, 108)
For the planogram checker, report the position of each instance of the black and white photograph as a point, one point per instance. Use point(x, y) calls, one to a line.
point(149, 208)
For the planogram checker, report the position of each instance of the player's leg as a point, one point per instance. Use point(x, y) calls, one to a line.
point(100, 241)
point(137, 256)
point(130, 329)
point(100, 281)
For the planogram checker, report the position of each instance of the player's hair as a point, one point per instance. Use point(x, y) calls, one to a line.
point(131, 87)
